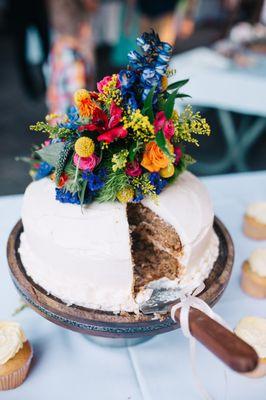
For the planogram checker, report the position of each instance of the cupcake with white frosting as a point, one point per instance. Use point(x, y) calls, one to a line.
point(253, 279)
point(15, 355)
point(253, 331)
point(255, 221)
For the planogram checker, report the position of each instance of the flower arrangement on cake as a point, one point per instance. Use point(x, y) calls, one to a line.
point(125, 141)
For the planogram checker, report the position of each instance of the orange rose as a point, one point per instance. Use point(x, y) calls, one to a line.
point(154, 158)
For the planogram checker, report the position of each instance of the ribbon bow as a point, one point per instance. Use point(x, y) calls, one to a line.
point(188, 299)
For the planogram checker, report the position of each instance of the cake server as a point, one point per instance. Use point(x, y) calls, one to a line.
point(229, 348)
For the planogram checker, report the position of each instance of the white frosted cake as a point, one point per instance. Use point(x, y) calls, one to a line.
point(92, 256)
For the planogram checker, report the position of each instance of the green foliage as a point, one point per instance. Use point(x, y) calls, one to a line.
point(75, 181)
point(182, 96)
point(62, 159)
point(161, 142)
point(52, 131)
point(116, 181)
point(134, 149)
point(81, 192)
point(148, 105)
point(177, 85)
point(169, 104)
point(51, 153)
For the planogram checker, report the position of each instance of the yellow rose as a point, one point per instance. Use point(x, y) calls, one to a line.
point(168, 171)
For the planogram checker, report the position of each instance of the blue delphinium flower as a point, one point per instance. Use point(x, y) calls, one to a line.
point(138, 196)
point(152, 65)
point(127, 79)
point(44, 170)
point(64, 196)
point(95, 182)
point(73, 117)
point(157, 181)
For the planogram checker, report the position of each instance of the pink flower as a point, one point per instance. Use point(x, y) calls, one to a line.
point(103, 82)
point(168, 129)
point(86, 163)
point(47, 142)
point(164, 124)
point(178, 154)
point(133, 168)
point(159, 121)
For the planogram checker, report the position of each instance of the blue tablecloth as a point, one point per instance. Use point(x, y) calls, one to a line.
point(67, 366)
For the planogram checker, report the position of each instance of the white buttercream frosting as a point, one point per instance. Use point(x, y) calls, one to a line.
point(257, 262)
point(11, 340)
point(253, 331)
point(257, 211)
point(84, 256)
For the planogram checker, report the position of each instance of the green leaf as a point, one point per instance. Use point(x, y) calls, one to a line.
point(147, 108)
point(135, 147)
point(62, 159)
point(81, 193)
point(161, 142)
point(182, 95)
point(51, 153)
point(169, 105)
point(177, 85)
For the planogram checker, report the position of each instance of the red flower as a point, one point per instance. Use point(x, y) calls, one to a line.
point(109, 128)
point(133, 169)
point(62, 180)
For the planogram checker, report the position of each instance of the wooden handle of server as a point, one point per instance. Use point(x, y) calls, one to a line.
point(232, 350)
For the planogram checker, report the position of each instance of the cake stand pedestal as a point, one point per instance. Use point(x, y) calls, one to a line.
point(106, 324)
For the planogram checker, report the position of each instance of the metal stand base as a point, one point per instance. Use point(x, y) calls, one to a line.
point(113, 342)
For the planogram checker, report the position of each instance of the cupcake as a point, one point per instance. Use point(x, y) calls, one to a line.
point(253, 279)
point(15, 355)
point(253, 331)
point(255, 221)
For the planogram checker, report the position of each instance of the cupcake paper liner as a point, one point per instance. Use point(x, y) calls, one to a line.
point(16, 378)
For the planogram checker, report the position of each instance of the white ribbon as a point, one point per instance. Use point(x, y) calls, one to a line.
point(188, 299)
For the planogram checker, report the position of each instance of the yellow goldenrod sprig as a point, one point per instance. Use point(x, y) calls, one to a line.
point(140, 126)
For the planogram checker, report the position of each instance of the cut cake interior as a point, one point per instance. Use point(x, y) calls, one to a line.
point(155, 246)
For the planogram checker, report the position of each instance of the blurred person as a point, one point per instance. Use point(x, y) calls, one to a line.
point(71, 61)
point(23, 16)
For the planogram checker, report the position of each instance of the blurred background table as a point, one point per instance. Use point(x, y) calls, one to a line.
point(68, 366)
point(217, 82)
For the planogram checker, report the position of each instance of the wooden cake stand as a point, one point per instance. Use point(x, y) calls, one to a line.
point(107, 324)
